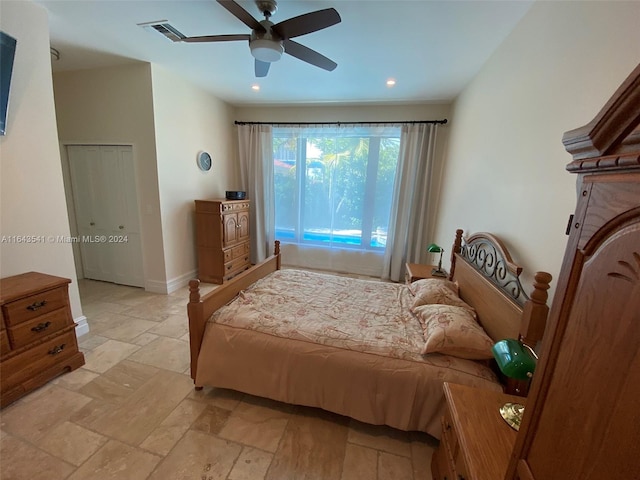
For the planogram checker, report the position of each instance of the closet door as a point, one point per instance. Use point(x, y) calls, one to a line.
point(104, 192)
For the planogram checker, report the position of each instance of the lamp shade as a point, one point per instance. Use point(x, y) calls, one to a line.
point(433, 248)
point(514, 359)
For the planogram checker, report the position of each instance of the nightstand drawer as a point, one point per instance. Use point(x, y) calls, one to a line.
point(27, 332)
point(34, 306)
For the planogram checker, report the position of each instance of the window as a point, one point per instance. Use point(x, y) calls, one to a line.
point(333, 185)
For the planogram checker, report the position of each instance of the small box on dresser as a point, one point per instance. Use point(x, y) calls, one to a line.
point(38, 336)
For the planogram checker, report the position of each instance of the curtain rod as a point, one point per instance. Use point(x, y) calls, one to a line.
point(408, 122)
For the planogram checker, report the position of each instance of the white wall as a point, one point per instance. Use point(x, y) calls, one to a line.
point(114, 105)
point(505, 167)
point(364, 263)
point(32, 191)
point(188, 120)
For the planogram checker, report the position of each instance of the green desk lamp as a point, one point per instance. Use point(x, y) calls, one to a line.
point(437, 272)
point(516, 360)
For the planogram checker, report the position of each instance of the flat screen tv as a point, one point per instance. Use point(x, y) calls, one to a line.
point(7, 54)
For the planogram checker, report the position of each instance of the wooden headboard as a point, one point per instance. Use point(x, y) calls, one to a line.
point(488, 280)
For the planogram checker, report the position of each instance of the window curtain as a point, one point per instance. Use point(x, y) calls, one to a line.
point(409, 220)
point(256, 177)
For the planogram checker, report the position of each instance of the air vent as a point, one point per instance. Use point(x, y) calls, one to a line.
point(164, 28)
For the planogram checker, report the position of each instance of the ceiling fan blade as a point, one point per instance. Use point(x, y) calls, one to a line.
point(216, 38)
point(262, 68)
point(305, 54)
point(307, 23)
point(242, 15)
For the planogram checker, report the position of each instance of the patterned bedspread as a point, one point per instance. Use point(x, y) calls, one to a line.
point(361, 315)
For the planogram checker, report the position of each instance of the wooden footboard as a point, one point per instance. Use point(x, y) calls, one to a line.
point(200, 308)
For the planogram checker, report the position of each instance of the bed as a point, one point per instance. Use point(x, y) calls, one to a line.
point(374, 351)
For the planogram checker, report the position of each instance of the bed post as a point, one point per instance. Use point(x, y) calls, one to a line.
point(457, 247)
point(196, 326)
point(535, 311)
point(276, 252)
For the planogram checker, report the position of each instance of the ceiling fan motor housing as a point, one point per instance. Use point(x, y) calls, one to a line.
point(266, 46)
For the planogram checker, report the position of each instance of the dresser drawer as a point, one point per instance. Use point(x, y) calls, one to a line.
point(25, 365)
point(236, 264)
point(35, 305)
point(26, 332)
point(4, 343)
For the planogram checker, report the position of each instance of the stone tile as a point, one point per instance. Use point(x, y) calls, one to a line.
point(72, 443)
point(144, 339)
point(198, 455)
point(120, 381)
point(91, 341)
point(380, 438)
point(33, 416)
point(105, 321)
point(76, 379)
point(394, 466)
point(423, 447)
point(95, 308)
point(91, 412)
point(360, 463)
point(175, 326)
point(256, 426)
point(117, 461)
point(102, 358)
point(168, 353)
point(127, 331)
point(220, 397)
point(264, 434)
point(312, 446)
point(211, 420)
point(252, 464)
point(153, 309)
point(165, 436)
point(134, 419)
point(21, 461)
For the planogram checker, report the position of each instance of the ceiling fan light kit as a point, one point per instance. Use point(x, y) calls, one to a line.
point(266, 50)
point(269, 41)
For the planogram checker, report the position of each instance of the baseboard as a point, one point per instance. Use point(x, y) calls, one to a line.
point(82, 327)
point(172, 285)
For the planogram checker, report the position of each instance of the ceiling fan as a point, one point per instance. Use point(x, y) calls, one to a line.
point(269, 41)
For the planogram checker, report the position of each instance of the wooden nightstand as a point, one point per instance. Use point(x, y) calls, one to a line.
point(418, 271)
point(476, 443)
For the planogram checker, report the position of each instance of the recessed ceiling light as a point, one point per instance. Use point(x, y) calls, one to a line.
point(391, 82)
point(255, 87)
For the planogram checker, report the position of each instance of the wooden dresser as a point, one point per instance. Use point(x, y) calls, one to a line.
point(582, 421)
point(222, 239)
point(37, 336)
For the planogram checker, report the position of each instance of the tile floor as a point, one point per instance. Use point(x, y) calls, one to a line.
point(131, 412)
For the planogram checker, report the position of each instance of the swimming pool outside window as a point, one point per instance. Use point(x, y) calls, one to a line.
point(334, 184)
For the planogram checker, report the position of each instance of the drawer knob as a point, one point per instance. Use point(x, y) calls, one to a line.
point(41, 327)
point(229, 267)
point(37, 305)
point(57, 349)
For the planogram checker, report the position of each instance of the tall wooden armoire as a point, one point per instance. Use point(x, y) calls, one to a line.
point(582, 420)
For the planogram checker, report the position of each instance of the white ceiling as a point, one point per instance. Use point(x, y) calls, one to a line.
point(432, 48)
